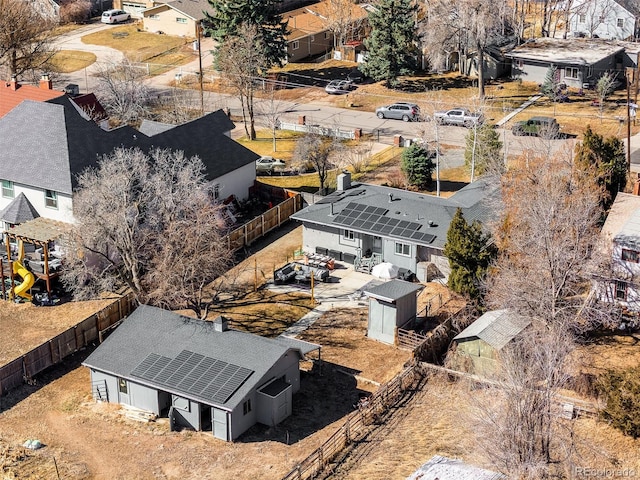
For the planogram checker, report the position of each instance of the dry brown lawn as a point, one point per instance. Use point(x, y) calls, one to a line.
point(66, 61)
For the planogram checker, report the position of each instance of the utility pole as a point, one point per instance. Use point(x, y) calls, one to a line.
point(199, 30)
point(630, 74)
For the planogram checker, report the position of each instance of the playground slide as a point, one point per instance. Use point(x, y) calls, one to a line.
point(28, 279)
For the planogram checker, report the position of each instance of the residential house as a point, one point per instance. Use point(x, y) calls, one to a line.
point(202, 375)
point(477, 347)
point(621, 242)
point(12, 93)
point(607, 19)
point(135, 7)
point(580, 62)
point(178, 17)
point(362, 221)
point(443, 468)
point(309, 34)
point(58, 140)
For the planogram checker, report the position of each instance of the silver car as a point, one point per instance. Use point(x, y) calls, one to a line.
point(267, 164)
point(400, 111)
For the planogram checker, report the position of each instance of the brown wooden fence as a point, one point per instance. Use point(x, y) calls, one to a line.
point(23, 369)
point(353, 429)
point(256, 228)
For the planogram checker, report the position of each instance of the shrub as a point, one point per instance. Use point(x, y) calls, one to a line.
point(621, 389)
point(75, 11)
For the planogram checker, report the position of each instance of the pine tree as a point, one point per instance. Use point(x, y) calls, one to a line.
point(417, 165)
point(482, 153)
point(551, 85)
point(608, 161)
point(622, 392)
point(391, 47)
point(229, 15)
point(470, 252)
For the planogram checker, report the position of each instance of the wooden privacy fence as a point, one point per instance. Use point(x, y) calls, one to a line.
point(259, 226)
point(387, 396)
point(23, 369)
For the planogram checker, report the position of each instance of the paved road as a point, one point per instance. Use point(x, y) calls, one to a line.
point(315, 113)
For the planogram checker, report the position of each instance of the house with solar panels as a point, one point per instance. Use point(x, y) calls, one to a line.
point(367, 224)
point(201, 375)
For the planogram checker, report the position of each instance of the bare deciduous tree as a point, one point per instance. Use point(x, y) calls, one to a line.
point(177, 107)
point(145, 222)
point(358, 157)
point(25, 37)
point(241, 61)
point(122, 91)
point(341, 20)
point(317, 150)
point(75, 11)
point(270, 110)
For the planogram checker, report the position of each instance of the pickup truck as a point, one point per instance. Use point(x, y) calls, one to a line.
point(458, 116)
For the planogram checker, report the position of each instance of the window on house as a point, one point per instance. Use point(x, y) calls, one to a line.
point(122, 386)
point(295, 45)
point(181, 404)
point(181, 20)
point(602, 18)
point(7, 189)
point(621, 290)
point(403, 249)
point(630, 255)
point(155, 16)
point(216, 191)
point(620, 22)
point(313, 38)
point(246, 406)
point(582, 18)
point(571, 72)
point(50, 199)
point(519, 63)
point(348, 235)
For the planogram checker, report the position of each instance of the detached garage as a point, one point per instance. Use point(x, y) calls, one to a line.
point(200, 374)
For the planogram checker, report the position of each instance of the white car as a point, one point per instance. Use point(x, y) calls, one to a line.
point(338, 87)
point(115, 16)
point(266, 164)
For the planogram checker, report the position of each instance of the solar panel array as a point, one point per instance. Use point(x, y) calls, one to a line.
point(367, 217)
point(195, 374)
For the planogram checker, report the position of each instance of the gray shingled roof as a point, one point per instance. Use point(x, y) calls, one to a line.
point(150, 330)
point(191, 8)
point(475, 200)
point(19, 210)
point(393, 290)
point(497, 328)
point(151, 127)
point(575, 51)
point(443, 468)
point(47, 144)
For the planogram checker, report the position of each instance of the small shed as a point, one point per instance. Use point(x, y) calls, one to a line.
point(443, 468)
point(478, 345)
point(391, 305)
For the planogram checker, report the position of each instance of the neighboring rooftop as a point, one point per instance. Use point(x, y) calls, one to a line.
point(623, 220)
point(496, 328)
point(19, 211)
point(393, 290)
point(12, 93)
point(193, 9)
point(575, 51)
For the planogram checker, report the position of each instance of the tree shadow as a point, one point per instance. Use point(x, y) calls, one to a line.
point(323, 398)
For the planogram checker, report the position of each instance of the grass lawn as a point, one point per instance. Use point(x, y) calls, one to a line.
point(66, 61)
point(140, 46)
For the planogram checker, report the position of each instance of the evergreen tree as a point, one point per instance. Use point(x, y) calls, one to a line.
point(391, 45)
point(417, 165)
point(227, 17)
point(470, 252)
point(482, 153)
point(551, 84)
point(608, 161)
point(622, 392)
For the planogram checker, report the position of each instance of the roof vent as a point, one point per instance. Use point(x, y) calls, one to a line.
point(432, 223)
point(390, 197)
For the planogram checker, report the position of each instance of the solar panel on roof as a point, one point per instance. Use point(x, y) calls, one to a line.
point(357, 206)
point(195, 374)
point(357, 224)
point(368, 225)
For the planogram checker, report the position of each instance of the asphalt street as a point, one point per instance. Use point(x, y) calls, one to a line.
point(384, 131)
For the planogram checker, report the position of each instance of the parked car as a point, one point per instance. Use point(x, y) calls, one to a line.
point(400, 111)
point(338, 87)
point(266, 164)
point(115, 16)
point(537, 126)
point(459, 116)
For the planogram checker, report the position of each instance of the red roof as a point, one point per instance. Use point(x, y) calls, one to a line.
point(12, 93)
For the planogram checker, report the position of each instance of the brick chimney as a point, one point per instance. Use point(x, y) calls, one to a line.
point(46, 83)
point(13, 84)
